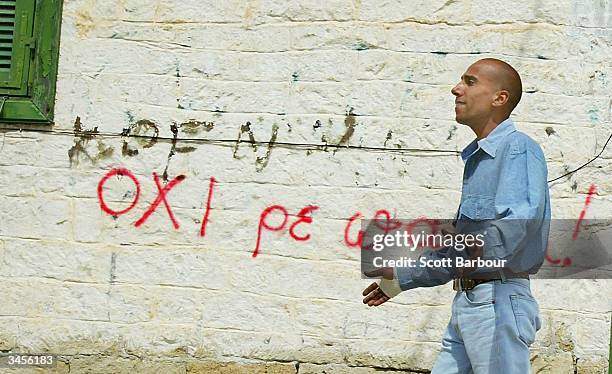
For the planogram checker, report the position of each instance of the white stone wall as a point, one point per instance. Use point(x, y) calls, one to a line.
point(360, 73)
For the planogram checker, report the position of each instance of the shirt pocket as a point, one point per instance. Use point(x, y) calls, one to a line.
point(526, 315)
point(516, 149)
point(478, 208)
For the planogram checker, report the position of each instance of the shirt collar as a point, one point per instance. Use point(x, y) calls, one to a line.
point(491, 142)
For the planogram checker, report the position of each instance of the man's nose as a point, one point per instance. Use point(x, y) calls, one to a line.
point(455, 90)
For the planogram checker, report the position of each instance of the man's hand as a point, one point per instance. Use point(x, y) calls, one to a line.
point(374, 296)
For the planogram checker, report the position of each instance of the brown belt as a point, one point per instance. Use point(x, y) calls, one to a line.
point(465, 284)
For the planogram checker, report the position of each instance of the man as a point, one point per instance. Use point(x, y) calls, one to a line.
point(505, 198)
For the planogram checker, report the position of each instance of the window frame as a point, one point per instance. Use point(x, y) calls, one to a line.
point(37, 106)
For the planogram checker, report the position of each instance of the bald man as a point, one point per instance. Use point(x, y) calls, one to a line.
point(505, 200)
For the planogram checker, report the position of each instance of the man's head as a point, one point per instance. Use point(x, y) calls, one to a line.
point(489, 89)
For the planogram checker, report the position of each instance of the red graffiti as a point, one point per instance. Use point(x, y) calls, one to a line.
point(347, 228)
point(161, 197)
point(382, 218)
point(433, 225)
point(112, 172)
point(566, 261)
point(589, 197)
point(207, 212)
point(302, 218)
point(390, 225)
point(557, 261)
point(263, 224)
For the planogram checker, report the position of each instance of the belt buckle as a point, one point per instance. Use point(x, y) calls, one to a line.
point(463, 284)
point(468, 284)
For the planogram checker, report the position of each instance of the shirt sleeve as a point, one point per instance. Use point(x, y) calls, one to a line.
point(429, 276)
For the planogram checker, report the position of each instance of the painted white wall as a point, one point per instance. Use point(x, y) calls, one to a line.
point(359, 73)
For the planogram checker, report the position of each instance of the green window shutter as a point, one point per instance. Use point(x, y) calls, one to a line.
point(29, 52)
point(16, 44)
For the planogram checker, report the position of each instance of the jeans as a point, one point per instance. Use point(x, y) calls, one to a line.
point(491, 329)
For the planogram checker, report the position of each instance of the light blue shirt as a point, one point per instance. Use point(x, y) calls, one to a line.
point(505, 197)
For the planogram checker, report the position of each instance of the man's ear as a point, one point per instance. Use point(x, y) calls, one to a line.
point(501, 98)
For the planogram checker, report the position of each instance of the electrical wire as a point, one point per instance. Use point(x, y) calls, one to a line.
point(233, 142)
point(308, 146)
point(585, 164)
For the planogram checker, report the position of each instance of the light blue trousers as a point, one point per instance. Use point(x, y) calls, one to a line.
point(491, 329)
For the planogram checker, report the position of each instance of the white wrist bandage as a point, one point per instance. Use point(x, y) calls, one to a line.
point(390, 287)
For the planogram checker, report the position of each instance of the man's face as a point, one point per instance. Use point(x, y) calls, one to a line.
point(474, 95)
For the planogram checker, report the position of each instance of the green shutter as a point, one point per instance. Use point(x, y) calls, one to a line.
point(29, 51)
point(16, 44)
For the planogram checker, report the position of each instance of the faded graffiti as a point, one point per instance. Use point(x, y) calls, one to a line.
point(80, 147)
point(260, 162)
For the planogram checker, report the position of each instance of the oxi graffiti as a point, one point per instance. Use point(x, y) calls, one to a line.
point(161, 197)
point(382, 218)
